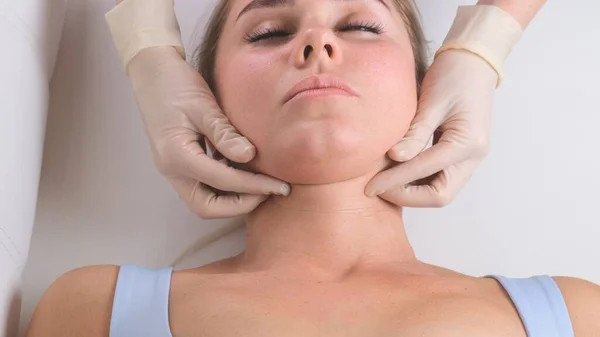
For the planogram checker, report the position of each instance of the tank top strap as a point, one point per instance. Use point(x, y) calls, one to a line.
point(141, 302)
point(540, 304)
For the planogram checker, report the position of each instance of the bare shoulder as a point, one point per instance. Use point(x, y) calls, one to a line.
point(583, 302)
point(79, 303)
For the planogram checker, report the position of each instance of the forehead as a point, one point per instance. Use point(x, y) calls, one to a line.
point(248, 5)
point(273, 3)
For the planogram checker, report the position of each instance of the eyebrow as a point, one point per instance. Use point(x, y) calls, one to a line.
point(256, 4)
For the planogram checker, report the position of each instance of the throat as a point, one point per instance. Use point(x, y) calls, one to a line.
point(324, 243)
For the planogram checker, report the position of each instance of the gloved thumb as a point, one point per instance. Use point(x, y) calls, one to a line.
point(227, 140)
point(215, 125)
point(418, 136)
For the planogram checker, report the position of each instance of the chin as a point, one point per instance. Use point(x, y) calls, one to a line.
point(322, 172)
point(317, 163)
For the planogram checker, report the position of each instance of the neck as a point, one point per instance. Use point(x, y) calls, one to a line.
point(327, 230)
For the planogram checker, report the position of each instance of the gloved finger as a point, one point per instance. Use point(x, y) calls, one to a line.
point(210, 204)
point(215, 125)
point(439, 192)
point(218, 175)
point(429, 162)
point(184, 156)
point(422, 127)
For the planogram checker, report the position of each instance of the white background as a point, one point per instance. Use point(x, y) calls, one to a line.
point(531, 207)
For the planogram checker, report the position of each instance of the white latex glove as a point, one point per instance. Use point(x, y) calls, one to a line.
point(182, 117)
point(456, 101)
point(179, 109)
point(455, 109)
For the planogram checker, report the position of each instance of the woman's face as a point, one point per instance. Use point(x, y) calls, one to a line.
point(357, 53)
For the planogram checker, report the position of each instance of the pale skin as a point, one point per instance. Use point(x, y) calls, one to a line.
point(326, 248)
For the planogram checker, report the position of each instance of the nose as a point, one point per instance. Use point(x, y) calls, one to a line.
point(317, 45)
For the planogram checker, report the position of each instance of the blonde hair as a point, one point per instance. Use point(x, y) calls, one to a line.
point(204, 58)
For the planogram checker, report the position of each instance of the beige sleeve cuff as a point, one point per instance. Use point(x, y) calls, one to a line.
point(140, 24)
point(486, 31)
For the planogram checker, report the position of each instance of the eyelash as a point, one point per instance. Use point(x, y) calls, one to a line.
point(271, 33)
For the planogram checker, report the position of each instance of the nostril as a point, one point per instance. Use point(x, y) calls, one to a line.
point(329, 49)
point(307, 51)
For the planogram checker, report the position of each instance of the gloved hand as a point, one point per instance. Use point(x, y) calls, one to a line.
point(178, 108)
point(455, 108)
point(182, 117)
point(457, 101)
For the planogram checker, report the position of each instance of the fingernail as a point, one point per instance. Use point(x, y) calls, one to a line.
point(284, 190)
point(400, 153)
point(240, 149)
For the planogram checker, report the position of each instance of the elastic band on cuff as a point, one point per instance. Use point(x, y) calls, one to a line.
point(486, 31)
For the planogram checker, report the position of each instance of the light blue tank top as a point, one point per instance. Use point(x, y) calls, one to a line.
point(141, 304)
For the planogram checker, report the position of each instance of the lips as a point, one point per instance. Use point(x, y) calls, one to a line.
point(315, 82)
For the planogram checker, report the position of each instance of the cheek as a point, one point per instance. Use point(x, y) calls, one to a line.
point(387, 76)
point(249, 99)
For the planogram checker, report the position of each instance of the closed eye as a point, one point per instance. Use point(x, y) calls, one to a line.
point(267, 34)
point(278, 33)
point(363, 26)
